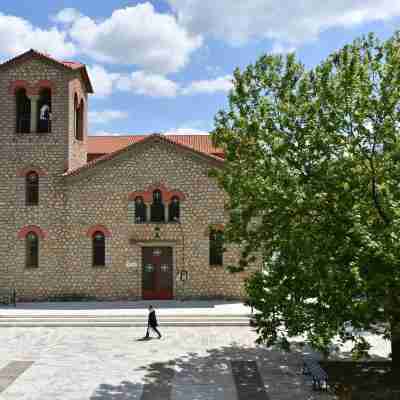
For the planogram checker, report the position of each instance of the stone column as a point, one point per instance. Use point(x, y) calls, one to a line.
point(34, 112)
point(148, 212)
point(166, 212)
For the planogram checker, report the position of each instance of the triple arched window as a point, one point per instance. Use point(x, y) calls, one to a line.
point(32, 189)
point(156, 206)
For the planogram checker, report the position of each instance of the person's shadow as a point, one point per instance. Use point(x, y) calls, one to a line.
point(144, 339)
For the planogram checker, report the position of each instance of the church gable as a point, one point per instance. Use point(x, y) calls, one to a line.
point(99, 164)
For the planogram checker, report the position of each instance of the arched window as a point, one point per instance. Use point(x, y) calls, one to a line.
point(174, 209)
point(216, 247)
point(32, 189)
point(32, 250)
point(99, 249)
point(140, 210)
point(44, 111)
point(76, 119)
point(157, 207)
point(23, 123)
point(79, 118)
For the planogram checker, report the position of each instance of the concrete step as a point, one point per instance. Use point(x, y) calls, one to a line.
point(118, 320)
point(37, 324)
point(127, 322)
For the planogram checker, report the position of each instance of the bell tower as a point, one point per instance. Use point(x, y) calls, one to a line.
point(43, 133)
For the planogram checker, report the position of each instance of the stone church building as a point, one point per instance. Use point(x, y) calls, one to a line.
point(130, 217)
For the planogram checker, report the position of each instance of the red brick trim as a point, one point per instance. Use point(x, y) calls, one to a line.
point(18, 84)
point(167, 195)
point(43, 84)
point(23, 232)
point(25, 171)
point(145, 195)
point(98, 228)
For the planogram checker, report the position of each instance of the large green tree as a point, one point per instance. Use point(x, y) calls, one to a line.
point(313, 174)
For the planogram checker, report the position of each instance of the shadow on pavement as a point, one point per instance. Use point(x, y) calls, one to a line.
point(231, 372)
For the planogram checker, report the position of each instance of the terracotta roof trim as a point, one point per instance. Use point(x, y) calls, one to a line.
point(71, 65)
point(153, 136)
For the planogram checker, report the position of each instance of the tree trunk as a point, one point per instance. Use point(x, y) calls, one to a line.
point(395, 346)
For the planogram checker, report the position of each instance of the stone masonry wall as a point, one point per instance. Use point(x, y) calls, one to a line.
point(70, 205)
point(22, 152)
point(100, 197)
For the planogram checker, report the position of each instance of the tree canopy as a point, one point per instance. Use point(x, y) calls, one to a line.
point(313, 172)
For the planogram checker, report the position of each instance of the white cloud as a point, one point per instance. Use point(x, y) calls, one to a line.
point(106, 116)
point(67, 16)
point(281, 48)
point(136, 35)
point(184, 131)
point(18, 35)
point(154, 85)
point(209, 86)
point(289, 22)
point(105, 133)
point(102, 80)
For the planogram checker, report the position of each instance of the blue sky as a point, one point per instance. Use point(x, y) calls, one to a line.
point(165, 65)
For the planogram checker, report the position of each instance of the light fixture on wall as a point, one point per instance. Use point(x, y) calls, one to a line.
point(157, 232)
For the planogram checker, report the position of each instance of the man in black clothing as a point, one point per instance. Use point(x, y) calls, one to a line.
point(152, 323)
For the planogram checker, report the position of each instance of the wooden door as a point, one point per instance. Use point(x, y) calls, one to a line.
point(157, 273)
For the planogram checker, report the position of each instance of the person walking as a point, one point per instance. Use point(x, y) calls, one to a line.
point(152, 323)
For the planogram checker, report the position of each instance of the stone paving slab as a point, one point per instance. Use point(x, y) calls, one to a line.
point(11, 372)
point(113, 364)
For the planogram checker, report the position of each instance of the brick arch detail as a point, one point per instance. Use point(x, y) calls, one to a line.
point(98, 228)
point(43, 84)
point(18, 84)
point(23, 232)
point(76, 89)
point(24, 171)
point(167, 194)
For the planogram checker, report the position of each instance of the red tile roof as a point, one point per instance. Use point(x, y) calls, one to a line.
point(101, 145)
point(37, 54)
point(72, 64)
point(141, 139)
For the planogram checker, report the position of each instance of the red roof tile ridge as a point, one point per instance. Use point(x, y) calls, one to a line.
point(111, 155)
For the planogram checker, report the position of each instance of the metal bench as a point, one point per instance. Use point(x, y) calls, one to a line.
point(319, 376)
point(8, 296)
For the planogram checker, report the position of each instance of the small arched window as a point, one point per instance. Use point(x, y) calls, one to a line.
point(174, 210)
point(99, 249)
point(32, 250)
point(32, 189)
point(23, 103)
point(157, 207)
point(216, 247)
point(44, 111)
point(79, 118)
point(140, 210)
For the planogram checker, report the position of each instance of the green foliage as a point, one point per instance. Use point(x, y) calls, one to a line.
point(313, 172)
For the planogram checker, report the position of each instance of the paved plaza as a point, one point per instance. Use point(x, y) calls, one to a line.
point(196, 363)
